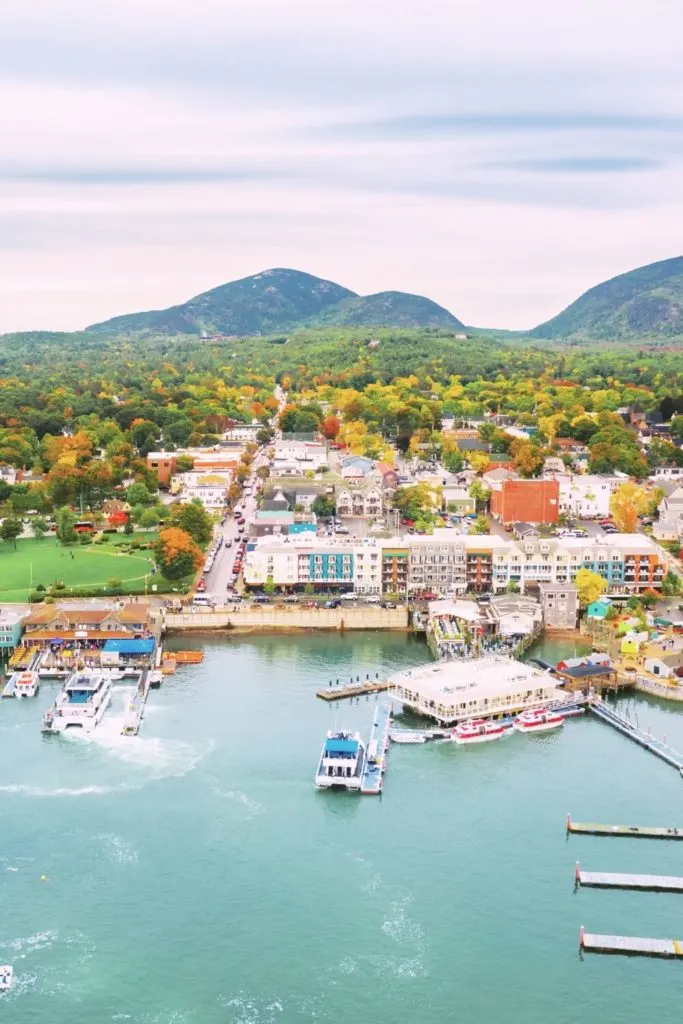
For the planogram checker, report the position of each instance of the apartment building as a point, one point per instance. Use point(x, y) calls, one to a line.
point(585, 496)
point(445, 563)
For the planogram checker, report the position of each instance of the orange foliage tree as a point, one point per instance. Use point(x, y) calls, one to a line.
point(177, 554)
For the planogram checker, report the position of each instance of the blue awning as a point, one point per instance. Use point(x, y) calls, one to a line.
point(120, 646)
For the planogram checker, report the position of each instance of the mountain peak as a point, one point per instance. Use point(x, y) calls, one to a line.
point(281, 299)
point(643, 303)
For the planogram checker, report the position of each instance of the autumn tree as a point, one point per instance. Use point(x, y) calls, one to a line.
point(177, 554)
point(627, 503)
point(329, 427)
point(194, 520)
point(528, 458)
point(590, 586)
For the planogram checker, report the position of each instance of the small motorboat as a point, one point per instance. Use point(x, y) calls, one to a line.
point(26, 684)
point(538, 721)
point(407, 736)
point(478, 731)
point(6, 974)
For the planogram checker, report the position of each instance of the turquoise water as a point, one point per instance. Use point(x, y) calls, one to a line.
point(194, 875)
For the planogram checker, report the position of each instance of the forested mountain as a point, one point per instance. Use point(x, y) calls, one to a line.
point(644, 303)
point(281, 300)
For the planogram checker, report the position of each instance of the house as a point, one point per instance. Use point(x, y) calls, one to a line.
point(669, 526)
point(531, 501)
point(559, 605)
point(8, 475)
point(355, 466)
point(116, 511)
point(458, 500)
point(668, 472)
point(360, 497)
point(599, 609)
point(515, 615)
point(472, 444)
point(244, 432)
point(495, 476)
point(211, 489)
point(11, 624)
point(389, 475)
point(553, 464)
point(525, 531)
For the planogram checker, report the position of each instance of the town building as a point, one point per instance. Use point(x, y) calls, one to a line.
point(586, 496)
point(360, 496)
point(11, 624)
point(395, 569)
point(296, 458)
point(669, 526)
point(211, 489)
point(86, 624)
point(458, 501)
point(559, 605)
point(454, 691)
point(243, 432)
point(531, 501)
point(269, 522)
point(8, 475)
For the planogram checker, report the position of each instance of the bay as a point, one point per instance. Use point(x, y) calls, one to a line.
point(193, 874)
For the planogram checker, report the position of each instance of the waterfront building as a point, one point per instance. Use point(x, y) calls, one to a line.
point(74, 622)
point(559, 605)
point(10, 630)
point(454, 691)
point(395, 569)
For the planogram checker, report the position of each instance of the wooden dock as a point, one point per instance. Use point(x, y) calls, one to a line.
point(640, 883)
point(626, 945)
point(135, 710)
point(372, 778)
point(623, 831)
point(633, 732)
point(334, 692)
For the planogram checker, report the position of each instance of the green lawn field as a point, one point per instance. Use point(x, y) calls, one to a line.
point(46, 561)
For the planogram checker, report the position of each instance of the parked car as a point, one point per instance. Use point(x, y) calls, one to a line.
point(333, 604)
point(201, 585)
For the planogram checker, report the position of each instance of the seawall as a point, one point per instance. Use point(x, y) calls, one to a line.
point(264, 617)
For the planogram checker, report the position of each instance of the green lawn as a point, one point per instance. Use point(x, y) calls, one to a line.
point(46, 561)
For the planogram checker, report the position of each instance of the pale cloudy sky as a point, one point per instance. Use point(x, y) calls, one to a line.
point(500, 157)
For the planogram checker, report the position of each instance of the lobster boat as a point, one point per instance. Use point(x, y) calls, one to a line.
point(478, 731)
point(538, 721)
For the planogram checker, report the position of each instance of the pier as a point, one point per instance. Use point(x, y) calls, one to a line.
point(639, 883)
point(623, 831)
point(626, 945)
point(623, 725)
point(375, 762)
point(135, 710)
point(351, 689)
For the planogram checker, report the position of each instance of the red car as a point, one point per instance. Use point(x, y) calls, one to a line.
point(201, 585)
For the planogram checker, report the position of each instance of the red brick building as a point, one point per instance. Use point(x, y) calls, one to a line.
point(526, 501)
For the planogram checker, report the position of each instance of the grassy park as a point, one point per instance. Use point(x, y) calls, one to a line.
point(47, 561)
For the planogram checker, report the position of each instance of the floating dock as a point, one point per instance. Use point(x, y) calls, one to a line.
point(622, 831)
point(372, 778)
point(639, 883)
point(188, 657)
point(623, 725)
point(626, 945)
point(357, 689)
point(135, 710)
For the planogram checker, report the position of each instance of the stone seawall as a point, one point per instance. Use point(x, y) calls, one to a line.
point(247, 619)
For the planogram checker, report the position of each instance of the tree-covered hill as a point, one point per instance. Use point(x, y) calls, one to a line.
point(642, 304)
point(388, 309)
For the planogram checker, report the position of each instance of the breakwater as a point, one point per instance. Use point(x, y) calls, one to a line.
point(266, 617)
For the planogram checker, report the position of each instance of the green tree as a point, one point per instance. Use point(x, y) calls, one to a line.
point(671, 585)
point(480, 525)
point(11, 529)
point(269, 587)
point(323, 507)
point(66, 521)
point(149, 518)
point(481, 494)
point(138, 494)
point(39, 527)
point(128, 526)
point(184, 463)
point(195, 520)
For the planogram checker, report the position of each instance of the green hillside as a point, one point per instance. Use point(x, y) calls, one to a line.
point(644, 303)
point(388, 309)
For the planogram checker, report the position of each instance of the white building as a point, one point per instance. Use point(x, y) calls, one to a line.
point(295, 458)
point(210, 488)
point(664, 473)
point(454, 691)
point(8, 475)
point(585, 496)
point(669, 526)
point(245, 432)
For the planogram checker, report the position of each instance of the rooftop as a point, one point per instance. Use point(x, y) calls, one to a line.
point(452, 682)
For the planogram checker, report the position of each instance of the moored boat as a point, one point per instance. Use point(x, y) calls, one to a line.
point(407, 736)
point(538, 721)
point(81, 704)
point(26, 684)
point(341, 761)
point(478, 731)
point(6, 974)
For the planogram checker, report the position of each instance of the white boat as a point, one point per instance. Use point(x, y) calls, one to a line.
point(478, 731)
point(81, 704)
point(538, 721)
point(341, 761)
point(26, 684)
point(6, 974)
point(407, 736)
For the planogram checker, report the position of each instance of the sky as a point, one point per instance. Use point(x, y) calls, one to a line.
point(498, 157)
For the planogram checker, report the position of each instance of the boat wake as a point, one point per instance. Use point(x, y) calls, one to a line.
point(241, 798)
point(117, 849)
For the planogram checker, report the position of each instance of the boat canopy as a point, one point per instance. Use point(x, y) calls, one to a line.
point(120, 646)
point(336, 746)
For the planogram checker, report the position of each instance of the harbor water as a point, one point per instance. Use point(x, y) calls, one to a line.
point(193, 875)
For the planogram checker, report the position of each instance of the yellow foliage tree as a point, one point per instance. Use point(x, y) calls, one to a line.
point(627, 503)
point(590, 586)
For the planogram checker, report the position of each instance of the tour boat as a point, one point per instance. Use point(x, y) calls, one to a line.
point(26, 684)
point(6, 973)
point(478, 731)
point(81, 704)
point(341, 761)
point(538, 721)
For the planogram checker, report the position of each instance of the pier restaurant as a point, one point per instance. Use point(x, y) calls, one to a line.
point(452, 692)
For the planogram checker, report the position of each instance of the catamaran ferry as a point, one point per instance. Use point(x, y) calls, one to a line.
point(341, 761)
point(26, 684)
point(81, 704)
